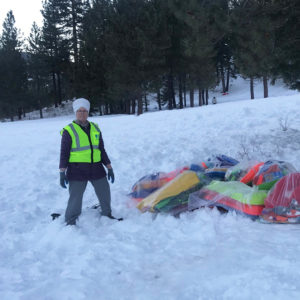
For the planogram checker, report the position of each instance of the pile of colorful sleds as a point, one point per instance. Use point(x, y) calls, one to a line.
point(268, 191)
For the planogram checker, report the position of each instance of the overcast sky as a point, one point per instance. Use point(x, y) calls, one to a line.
point(25, 12)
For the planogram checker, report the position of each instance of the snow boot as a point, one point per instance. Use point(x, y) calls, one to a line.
point(114, 218)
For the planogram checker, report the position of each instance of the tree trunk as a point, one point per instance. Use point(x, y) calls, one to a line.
point(140, 104)
point(200, 97)
point(59, 88)
point(192, 97)
point(106, 109)
point(206, 96)
point(41, 111)
point(203, 97)
point(20, 113)
point(133, 104)
point(227, 79)
point(122, 107)
point(54, 89)
point(111, 108)
point(170, 102)
point(218, 73)
point(266, 92)
point(223, 79)
point(158, 99)
point(184, 90)
point(180, 91)
point(252, 87)
point(171, 93)
point(39, 97)
point(75, 44)
point(127, 106)
point(146, 102)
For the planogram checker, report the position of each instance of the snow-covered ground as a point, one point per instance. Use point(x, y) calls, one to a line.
point(201, 255)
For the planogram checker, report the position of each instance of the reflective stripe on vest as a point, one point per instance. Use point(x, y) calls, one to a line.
point(83, 153)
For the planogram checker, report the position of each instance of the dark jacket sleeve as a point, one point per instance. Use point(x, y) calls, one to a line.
point(104, 157)
point(65, 148)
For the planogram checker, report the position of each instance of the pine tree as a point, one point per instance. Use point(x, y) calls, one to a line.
point(254, 34)
point(13, 77)
point(126, 41)
point(199, 40)
point(39, 79)
point(287, 39)
point(56, 46)
point(156, 42)
point(95, 60)
point(74, 11)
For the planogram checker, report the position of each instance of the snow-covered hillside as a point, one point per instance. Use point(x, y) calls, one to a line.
point(239, 90)
point(201, 255)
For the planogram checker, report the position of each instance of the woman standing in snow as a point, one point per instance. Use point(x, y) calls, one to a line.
point(82, 157)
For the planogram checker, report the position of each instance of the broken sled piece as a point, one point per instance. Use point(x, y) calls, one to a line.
point(179, 184)
point(282, 204)
point(270, 172)
point(177, 204)
point(152, 182)
point(230, 196)
point(243, 171)
point(217, 166)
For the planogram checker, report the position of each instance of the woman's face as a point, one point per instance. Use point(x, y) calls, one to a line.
point(82, 114)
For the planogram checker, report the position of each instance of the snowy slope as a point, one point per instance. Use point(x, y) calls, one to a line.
point(201, 255)
point(239, 90)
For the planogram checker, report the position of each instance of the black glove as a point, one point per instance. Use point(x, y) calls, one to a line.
point(63, 179)
point(111, 175)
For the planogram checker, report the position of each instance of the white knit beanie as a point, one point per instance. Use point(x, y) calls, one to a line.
point(81, 102)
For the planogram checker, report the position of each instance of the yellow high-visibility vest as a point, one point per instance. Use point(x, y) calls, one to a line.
point(81, 149)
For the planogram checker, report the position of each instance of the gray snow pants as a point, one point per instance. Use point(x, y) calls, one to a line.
point(76, 190)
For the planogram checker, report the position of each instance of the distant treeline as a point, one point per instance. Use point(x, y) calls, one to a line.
point(116, 52)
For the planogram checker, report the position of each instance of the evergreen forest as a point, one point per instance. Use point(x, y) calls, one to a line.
point(117, 53)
